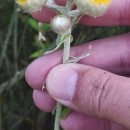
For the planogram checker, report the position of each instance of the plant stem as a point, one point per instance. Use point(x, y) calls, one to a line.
point(66, 55)
point(57, 118)
point(66, 51)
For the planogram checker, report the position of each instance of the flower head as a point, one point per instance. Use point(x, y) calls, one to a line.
point(61, 24)
point(30, 5)
point(93, 8)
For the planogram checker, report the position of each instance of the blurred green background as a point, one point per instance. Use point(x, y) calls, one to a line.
point(18, 47)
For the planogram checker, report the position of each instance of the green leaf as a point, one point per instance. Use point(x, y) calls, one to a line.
point(37, 53)
point(65, 112)
point(45, 27)
point(33, 24)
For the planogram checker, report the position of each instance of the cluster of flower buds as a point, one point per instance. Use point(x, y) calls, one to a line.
point(62, 23)
point(92, 8)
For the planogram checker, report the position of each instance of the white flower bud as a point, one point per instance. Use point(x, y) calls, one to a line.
point(61, 24)
point(30, 5)
point(93, 8)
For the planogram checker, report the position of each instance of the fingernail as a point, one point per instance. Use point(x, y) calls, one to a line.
point(61, 82)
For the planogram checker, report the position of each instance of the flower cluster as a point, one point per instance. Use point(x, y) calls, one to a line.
point(62, 22)
point(93, 8)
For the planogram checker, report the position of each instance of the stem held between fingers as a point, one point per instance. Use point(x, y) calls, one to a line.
point(66, 56)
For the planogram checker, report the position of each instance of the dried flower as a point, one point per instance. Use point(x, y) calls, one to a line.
point(30, 5)
point(93, 8)
point(61, 24)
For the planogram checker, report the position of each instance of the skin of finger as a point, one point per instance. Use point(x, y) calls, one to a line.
point(81, 121)
point(117, 14)
point(45, 15)
point(113, 54)
point(43, 101)
point(98, 93)
point(78, 121)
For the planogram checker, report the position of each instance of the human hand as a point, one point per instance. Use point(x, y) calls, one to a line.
point(98, 92)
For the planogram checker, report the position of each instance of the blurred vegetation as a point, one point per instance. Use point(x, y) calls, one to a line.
point(18, 47)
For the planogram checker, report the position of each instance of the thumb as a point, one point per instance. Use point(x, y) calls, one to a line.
point(91, 91)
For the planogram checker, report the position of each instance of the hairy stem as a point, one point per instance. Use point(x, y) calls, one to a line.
point(66, 51)
point(57, 117)
point(66, 55)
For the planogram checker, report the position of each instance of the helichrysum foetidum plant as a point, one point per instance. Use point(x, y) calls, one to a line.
point(62, 24)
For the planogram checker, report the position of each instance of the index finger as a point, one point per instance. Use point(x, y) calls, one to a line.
point(117, 14)
point(110, 54)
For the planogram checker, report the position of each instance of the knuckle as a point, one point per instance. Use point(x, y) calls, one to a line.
point(94, 90)
point(101, 89)
point(103, 93)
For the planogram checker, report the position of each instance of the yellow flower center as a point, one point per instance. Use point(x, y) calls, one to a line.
point(22, 2)
point(100, 2)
